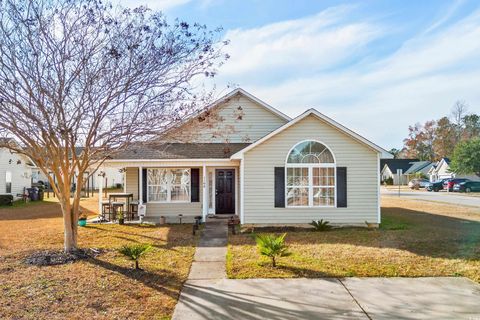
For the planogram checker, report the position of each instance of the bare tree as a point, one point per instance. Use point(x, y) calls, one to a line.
point(459, 111)
point(85, 74)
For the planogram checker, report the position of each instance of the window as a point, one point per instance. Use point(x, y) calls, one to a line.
point(8, 182)
point(168, 185)
point(310, 178)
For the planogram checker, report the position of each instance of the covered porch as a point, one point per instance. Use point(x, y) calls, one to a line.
point(172, 187)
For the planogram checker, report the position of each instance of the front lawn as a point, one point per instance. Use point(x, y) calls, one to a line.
point(101, 287)
point(416, 239)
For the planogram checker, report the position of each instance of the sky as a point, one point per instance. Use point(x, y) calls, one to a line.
point(374, 66)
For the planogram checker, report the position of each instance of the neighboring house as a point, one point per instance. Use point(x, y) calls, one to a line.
point(272, 169)
point(15, 172)
point(441, 170)
point(418, 168)
point(389, 169)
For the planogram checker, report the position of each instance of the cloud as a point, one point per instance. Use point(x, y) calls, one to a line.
point(325, 61)
point(297, 45)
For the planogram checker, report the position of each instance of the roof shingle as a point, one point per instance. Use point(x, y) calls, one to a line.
point(180, 151)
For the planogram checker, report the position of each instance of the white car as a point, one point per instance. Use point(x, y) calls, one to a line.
point(418, 183)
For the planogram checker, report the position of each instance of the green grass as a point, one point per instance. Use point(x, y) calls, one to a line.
point(22, 204)
point(389, 223)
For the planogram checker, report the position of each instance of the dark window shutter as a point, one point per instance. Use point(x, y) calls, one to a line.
point(144, 185)
point(279, 187)
point(195, 184)
point(341, 187)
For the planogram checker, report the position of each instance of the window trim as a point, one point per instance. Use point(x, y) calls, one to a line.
point(169, 191)
point(310, 186)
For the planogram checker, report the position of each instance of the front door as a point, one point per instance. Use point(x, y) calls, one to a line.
point(225, 191)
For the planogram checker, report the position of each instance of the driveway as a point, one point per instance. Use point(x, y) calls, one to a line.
point(350, 298)
point(451, 198)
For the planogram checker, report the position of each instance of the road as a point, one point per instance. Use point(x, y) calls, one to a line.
point(452, 198)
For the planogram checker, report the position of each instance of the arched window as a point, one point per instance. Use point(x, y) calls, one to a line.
point(310, 178)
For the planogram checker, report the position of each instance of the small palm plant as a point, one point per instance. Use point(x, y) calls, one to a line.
point(321, 225)
point(272, 246)
point(135, 252)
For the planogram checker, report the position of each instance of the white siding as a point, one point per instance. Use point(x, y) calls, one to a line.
point(168, 210)
point(255, 122)
point(362, 177)
point(21, 173)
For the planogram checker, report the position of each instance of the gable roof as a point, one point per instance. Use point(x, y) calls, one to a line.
point(253, 98)
point(439, 164)
point(329, 121)
point(179, 151)
point(419, 166)
point(395, 164)
point(227, 97)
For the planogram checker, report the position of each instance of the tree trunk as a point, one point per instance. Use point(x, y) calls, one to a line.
point(70, 233)
point(136, 265)
point(70, 218)
point(274, 263)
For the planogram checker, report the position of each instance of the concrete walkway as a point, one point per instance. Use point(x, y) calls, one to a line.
point(210, 255)
point(207, 294)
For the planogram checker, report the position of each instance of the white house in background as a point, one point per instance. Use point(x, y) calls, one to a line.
point(390, 167)
point(15, 172)
point(112, 179)
point(271, 169)
point(441, 170)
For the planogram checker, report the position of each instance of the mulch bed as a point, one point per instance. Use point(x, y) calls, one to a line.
point(52, 258)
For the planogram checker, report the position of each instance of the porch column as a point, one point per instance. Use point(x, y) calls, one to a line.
point(242, 190)
point(100, 192)
point(205, 193)
point(140, 185)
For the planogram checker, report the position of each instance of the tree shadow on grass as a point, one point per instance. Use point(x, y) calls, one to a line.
point(137, 227)
point(149, 279)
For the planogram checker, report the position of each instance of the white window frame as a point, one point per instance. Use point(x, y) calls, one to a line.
point(169, 187)
point(310, 186)
point(8, 180)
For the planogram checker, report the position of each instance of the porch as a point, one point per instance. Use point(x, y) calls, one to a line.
point(169, 188)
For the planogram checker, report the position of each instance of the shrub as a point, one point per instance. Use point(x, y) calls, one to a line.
point(272, 246)
point(321, 225)
point(135, 251)
point(389, 181)
point(6, 199)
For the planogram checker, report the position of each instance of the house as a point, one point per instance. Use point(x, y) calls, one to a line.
point(15, 171)
point(389, 167)
point(441, 170)
point(418, 169)
point(271, 169)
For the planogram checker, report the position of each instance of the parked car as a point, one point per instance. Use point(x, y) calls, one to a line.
point(436, 186)
point(418, 183)
point(467, 186)
point(452, 182)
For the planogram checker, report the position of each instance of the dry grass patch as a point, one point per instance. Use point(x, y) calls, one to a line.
point(104, 287)
point(416, 239)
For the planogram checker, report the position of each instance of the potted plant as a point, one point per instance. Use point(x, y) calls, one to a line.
point(120, 217)
point(82, 219)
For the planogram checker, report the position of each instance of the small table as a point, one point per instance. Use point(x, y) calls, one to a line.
point(112, 197)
